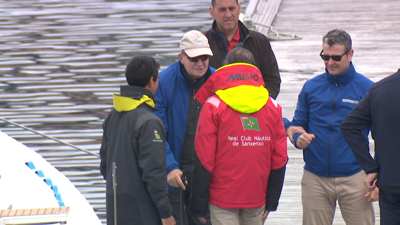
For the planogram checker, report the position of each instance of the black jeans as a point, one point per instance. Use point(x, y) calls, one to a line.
point(389, 204)
point(175, 200)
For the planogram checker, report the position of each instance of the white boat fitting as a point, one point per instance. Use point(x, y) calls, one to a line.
point(32, 191)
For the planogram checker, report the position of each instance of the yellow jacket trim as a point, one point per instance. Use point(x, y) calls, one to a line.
point(236, 64)
point(244, 98)
point(123, 104)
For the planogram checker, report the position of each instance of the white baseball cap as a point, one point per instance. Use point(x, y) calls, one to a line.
point(195, 43)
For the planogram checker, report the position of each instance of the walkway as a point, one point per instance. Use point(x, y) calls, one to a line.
point(374, 26)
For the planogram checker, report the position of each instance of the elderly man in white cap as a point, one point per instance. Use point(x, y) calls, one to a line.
point(179, 111)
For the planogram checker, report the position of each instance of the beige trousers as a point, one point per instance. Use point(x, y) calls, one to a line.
point(319, 195)
point(222, 216)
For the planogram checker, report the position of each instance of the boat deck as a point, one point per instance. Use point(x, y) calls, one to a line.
point(374, 26)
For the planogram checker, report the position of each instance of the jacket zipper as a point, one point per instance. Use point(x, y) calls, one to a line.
point(197, 105)
point(244, 41)
point(331, 126)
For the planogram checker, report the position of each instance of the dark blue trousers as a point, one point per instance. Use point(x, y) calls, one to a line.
point(389, 204)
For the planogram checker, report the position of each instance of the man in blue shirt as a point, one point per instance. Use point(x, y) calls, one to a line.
point(179, 110)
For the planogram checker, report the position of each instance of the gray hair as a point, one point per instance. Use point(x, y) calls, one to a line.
point(338, 36)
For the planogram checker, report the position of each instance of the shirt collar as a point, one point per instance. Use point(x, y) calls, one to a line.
point(235, 37)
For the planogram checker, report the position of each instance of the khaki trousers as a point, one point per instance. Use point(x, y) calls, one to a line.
point(222, 216)
point(319, 195)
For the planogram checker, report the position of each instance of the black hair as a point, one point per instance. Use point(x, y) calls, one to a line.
point(213, 2)
point(140, 69)
point(338, 36)
point(238, 55)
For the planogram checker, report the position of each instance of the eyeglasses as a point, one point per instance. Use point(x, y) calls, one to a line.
point(197, 58)
point(336, 58)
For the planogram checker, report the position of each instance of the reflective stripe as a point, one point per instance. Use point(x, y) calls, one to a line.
point(213, 100)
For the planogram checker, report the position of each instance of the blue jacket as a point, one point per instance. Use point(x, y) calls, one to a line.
point(172, 105)
point(323, 103)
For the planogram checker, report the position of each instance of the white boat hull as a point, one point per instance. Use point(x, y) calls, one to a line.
point(38, 186)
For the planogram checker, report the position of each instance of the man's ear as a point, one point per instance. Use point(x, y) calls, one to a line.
point(152, 82)
point(180, 56)
point(148, 86)
point(211, 10)
point(351, 53)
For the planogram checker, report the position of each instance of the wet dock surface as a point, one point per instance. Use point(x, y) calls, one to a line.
point(375, 30)
point(61, 61)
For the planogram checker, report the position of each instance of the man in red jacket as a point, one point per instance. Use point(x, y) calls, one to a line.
point(240, 145)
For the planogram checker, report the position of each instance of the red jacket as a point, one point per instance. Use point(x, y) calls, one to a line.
point(240, 139)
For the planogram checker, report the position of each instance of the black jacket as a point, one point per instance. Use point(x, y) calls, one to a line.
point(134, 138)
point(256, 43)
point(381, 109)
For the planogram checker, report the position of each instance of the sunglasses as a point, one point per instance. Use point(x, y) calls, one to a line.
point(197, 58)
point(336, 58)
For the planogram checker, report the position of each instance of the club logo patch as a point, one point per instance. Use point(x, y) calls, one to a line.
point(249, 123)
point(157, 137)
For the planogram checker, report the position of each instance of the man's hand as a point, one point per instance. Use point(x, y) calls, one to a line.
point(169, 221)
point(174, 179)
point(304, 140)
point(264, 217)
point(370, 181)
point(292, 130)
point(202, 220)
point(372, 196)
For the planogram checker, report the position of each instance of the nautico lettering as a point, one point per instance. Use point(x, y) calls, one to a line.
point(243, 76)
point(248, 140)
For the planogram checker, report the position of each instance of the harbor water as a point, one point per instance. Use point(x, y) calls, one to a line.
point(61, 61)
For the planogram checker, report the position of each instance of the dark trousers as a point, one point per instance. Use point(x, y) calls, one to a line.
point(389, 204)
point(129, 211)
point(174, 199)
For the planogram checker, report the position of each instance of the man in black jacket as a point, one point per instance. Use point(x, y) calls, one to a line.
point(228, 32)
point(381, 109)
point(134, 138)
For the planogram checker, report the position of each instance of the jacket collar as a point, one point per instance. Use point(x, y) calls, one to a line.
point(182, 76)
point(341, 79)
point(132, 97)
point(136, 92)
point(192, 83)
point(244, 33)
